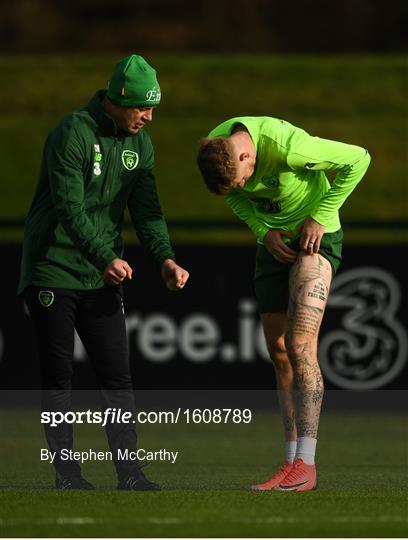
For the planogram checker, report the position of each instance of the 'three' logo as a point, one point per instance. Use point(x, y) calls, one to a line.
point(371, 348)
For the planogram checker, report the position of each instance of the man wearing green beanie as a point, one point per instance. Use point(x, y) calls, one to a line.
point(134, 83)
point(96, 162)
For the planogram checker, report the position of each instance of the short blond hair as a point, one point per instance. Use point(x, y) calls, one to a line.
point(216, 162)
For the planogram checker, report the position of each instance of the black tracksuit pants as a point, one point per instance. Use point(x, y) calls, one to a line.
point(98, 317)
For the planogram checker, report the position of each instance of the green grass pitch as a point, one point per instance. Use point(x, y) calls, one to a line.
point(362, 464)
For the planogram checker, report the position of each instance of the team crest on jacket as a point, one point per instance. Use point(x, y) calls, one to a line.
point(130, 159)
point(46, 298)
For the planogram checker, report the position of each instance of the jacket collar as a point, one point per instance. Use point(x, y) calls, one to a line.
point(104, 121)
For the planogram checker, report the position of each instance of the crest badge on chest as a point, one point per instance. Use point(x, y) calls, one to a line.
point(130, 159)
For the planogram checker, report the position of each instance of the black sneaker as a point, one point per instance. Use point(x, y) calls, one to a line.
point(72, 482)
point(137, 481)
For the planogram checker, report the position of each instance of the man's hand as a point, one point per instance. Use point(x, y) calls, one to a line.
point(311, 235)
point(173, 275)
point(277, 247)
point(117, 271)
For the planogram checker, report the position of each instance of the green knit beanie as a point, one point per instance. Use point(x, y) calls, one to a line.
point(134, 83)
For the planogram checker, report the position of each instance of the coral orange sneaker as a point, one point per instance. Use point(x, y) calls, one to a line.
point(301, 477)
point(275, 479)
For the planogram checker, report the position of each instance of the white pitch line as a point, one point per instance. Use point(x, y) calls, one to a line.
point(84, 521)
point(74, 521)
point(177, 521)
point(344, 519)
point(49, 521)
point(164, 521)
point(270, 519)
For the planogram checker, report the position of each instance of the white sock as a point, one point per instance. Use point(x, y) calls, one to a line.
point(306, 449)
point(290, 451)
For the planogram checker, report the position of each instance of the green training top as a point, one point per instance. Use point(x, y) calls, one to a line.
point(289, 181)
point(90, 172)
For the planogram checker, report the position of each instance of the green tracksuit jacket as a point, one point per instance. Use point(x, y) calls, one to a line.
point(89, 173)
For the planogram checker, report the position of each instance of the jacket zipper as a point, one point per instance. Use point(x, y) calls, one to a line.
point(114, 168)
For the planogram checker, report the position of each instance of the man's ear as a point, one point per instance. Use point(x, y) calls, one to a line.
point(243, 156)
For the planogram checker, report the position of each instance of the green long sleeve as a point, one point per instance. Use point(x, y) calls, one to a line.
point(289, 182)
point(242, 207)
point(148, 220)
point(349, 161)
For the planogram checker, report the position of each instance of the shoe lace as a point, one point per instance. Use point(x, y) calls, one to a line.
point(66, 483)
point(281, 469)
point(131, 482)
point(137, 474)
point(296, 472)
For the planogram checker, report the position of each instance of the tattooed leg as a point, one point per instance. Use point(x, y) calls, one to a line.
point(274, 328)
point(309, 285)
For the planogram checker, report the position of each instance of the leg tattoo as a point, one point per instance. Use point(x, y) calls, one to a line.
point(309, 287)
